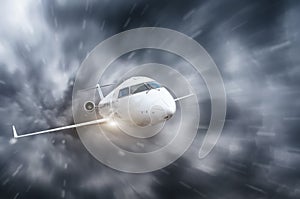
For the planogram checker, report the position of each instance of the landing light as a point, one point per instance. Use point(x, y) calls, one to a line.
point(112, 123)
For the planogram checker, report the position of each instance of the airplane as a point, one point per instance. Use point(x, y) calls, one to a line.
point(139, 101)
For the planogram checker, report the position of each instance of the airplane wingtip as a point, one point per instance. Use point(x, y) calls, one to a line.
point(14, 131)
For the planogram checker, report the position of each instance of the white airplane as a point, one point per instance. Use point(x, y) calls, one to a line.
point(139, 101)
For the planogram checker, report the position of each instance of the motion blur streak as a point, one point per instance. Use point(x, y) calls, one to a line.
point(256, 46)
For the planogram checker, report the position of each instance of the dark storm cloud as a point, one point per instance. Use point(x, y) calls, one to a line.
point(254, 44)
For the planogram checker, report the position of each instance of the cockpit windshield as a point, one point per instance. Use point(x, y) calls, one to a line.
point(153, 84)
point(138, 88)
point(144, 87)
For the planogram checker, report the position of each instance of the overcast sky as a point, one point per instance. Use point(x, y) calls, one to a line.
point(255, 45)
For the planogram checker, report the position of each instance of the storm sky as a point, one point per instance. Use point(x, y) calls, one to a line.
point(255, 45)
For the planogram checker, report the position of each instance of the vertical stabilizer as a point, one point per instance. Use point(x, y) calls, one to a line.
point(99, 91)
point(14, 132)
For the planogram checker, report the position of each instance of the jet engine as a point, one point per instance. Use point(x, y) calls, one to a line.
point(89, 106)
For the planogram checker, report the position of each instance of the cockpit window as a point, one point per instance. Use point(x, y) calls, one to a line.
point(123, 92)
point(153, 85)
point(138, 88)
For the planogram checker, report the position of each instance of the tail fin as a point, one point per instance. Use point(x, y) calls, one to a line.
point(99, 91)
point(14, 131)
point(98, 87)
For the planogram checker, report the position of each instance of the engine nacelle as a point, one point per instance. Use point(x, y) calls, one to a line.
point(89, 106)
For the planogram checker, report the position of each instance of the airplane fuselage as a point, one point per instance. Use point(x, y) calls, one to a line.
point(140, 101)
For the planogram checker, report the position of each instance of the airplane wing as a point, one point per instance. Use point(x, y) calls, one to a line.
point(186, 96)
point(99, 121)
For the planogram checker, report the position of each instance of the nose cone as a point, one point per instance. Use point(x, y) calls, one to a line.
point(169, 109)
point(157, 114)
point(169, 113)
point(162, 112)
point(163, 106)
point(168, 105)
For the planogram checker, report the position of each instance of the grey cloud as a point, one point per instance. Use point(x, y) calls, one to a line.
point(254, 44)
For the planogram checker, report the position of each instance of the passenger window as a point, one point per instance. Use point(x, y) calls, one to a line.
point(138, 88)
point(123, 92)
